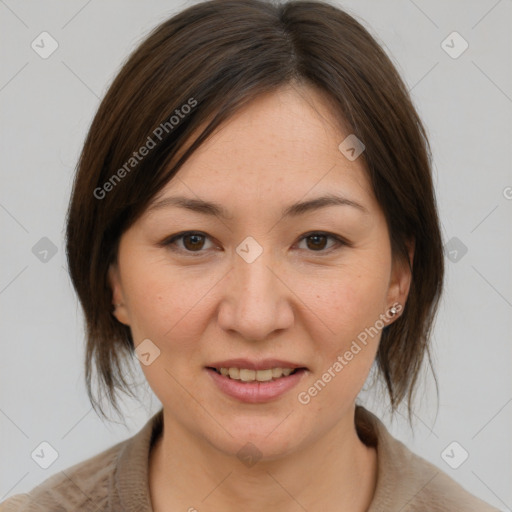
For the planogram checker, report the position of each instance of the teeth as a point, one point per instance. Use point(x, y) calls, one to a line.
point(263, 375)
point(234, 373)
point(277, 372)
point(247, 375)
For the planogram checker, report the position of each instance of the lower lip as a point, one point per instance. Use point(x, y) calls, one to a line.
point(256, 392)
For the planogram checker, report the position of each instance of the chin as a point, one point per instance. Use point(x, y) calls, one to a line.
point(255, 449)
point(259, 438)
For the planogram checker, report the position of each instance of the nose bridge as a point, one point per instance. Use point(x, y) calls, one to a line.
point(255, 301)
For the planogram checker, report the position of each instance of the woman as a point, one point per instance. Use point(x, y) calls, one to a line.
point(254, 217)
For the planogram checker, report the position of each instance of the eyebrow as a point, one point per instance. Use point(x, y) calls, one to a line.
point(217, 210)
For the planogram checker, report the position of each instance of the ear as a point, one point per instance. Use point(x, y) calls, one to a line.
point(401, 277)
point(118, 300)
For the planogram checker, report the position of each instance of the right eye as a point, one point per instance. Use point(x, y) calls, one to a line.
point(191, 242)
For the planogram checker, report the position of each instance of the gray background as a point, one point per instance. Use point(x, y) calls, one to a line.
point(47, 106)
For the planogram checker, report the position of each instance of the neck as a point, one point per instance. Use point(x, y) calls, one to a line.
point(335, 472)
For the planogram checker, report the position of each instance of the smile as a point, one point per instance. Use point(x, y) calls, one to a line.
point(255, 386)
point(249, 375)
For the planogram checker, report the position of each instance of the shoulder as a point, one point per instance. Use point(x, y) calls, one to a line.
point(431, 489)
point(115, 479)
point(86, 486)
point(406, 481)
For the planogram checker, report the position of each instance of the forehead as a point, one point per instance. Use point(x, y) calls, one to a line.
point(282, 146)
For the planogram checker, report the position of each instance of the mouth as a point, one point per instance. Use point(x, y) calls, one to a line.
point(256, 382)
point(249, 375)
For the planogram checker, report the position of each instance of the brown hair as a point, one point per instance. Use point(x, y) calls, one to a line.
point(215, 57)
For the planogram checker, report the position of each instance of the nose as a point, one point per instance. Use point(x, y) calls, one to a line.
point(256, 300)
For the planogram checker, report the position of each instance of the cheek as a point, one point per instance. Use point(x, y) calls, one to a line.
point(166, 303)
point(169, 307)
point(349, 300)
point(346, 341)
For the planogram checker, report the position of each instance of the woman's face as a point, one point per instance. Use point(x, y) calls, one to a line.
point(258, 285)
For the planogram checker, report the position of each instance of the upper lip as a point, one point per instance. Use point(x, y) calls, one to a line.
point(262, 364)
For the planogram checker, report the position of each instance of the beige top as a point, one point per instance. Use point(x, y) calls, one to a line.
point(117, 479)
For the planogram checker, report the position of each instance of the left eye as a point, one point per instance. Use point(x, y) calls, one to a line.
point(193, 242)
point(319, 240)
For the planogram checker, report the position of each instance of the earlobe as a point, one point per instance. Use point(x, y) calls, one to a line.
point(120, 311)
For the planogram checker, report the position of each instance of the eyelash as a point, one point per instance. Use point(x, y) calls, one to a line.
point(171, 242)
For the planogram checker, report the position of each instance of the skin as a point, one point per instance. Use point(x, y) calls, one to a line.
point(301, 300)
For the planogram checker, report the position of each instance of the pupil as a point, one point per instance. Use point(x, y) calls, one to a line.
point(316, 237)
point(195, 241)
